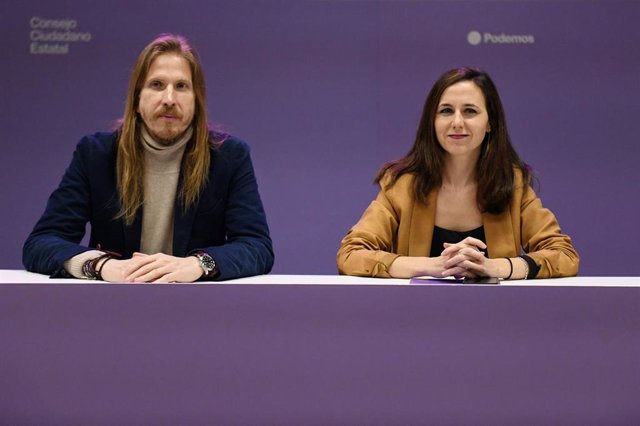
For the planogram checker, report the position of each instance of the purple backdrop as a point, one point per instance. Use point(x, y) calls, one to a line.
point(326, 91)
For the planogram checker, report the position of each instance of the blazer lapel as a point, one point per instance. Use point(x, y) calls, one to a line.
point(499, 234)
point(132, 235)
point(423, 218)
point(182, 225)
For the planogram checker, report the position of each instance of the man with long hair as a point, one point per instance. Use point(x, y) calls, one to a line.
point(168, 199)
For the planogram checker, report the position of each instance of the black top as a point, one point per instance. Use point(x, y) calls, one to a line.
point(441, 236)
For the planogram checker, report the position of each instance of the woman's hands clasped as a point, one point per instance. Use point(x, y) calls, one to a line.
point(460, 260)
point(465, 259)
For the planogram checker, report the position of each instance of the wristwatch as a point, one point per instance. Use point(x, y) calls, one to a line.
point(206, 263)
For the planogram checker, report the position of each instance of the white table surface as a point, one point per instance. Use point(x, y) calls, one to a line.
point(10, 276)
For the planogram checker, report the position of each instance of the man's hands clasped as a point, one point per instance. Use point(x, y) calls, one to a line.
point(153, 268)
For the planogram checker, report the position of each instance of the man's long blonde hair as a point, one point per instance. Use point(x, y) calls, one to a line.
point(130, 159)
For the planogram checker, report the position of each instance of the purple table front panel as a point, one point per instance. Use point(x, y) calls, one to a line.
point(256, 354)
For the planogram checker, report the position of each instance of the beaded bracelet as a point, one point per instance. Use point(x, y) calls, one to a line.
point(89, 267)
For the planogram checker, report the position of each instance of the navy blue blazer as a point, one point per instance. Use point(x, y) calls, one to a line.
point(228, 221)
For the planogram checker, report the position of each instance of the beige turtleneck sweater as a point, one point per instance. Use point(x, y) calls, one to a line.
point(161, 174)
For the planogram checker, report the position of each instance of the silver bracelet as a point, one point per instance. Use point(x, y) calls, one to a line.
point(526, 268)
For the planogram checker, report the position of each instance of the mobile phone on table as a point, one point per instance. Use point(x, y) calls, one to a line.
point(481, 280)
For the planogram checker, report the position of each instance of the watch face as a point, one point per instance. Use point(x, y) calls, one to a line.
point(207, 262)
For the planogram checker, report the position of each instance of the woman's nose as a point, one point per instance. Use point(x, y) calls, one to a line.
point(457, 119)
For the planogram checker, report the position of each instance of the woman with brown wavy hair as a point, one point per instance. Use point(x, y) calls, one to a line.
point(460, 203)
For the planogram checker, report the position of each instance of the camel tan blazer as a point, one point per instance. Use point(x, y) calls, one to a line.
point(395, 224)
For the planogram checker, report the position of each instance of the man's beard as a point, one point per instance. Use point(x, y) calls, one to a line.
point(168, 137)
point(168, 140)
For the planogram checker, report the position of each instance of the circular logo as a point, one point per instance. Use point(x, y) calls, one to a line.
point(474, 38)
